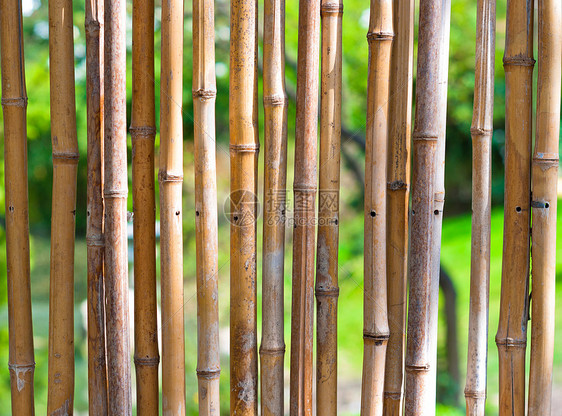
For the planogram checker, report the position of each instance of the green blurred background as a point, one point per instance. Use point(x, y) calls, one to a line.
point(456, 228)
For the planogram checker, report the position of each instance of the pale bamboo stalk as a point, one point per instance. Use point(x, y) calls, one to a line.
point(511, 337)
point(545, 181)
point(304, 189)
point(204, 96)
point(425, 138)
point(375, 327)
point(481, 131)
point(115, 198)
point(14, 105)
point(143, 131)
point(272, 349)
point(65, 165)
point(171, 180)
point(398, 193)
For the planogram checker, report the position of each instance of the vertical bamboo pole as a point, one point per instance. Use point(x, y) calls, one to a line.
point(171, 179)
point(545, 180)
point(143, 131)
point(481, 131)
point(327, 289)
point(97, 366)
point(14, 104)
point(272, 349)
point(511, 337)
point(204, 95)
point(65, 165)
point(398, 193)
point(425, 138)
point(304, 188)
point(375, 327)
point(115, 198)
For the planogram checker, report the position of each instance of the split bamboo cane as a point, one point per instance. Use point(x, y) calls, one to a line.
point(143, 131)
point(272, 349)
point(65, 166)
point(545, 180)
point(511, 337)
point(171, 180)
point(14, 104)
point(327, 289)
point(398, 193)
point(97, 365)
point(304, 188)
point(481, 131)
point(204, 96)
point(425, 137)
point(115, 198)
point(375, 330)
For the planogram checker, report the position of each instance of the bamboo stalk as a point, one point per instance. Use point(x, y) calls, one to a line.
point(304, 188)
point(272, 349)
point(171, 180)
point(14, 105)
point(204, 96)
point(65, 166)
point(511, 337)
point(545, 180)
point(327, 289)
point(375, 328)
point(481, 131)
point(426, 141)
point(398, 193)
point(97, 366)
point(143, 131)
point(115, 197)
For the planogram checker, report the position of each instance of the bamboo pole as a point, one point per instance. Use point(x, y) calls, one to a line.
point(481, 131)
point(545, 180)
point(115, 197)
point(204, 96)
point(304, 188)
point(375, 330)
point(14, 105)
point(171, 180)
point(65, 165)
point(272, 349)
point(425, 138)
point(97, 365)
point(327, 289)
point(398, 193)
point(143, 131)
point(511, 337)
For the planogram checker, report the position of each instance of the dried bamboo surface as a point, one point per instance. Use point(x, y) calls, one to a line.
point(481, 131)
point(65, 165)
point(14, 105)
point(544, 204)
point(511, 337)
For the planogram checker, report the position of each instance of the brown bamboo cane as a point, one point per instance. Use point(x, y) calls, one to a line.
point(65, 165)
point(143, 131)
point(272, 349)
point(304, 189)
point(14, 105)
point(204, 96)
point(375, 330)
point(398, 193)
point(115, 198)
point(425, 139)
point(511, 337)
point(97, 365)
point(327, 289)
point(481, 131)
point(545, 180)
point(171, 180)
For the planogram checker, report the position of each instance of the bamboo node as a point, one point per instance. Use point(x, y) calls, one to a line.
point(208, 374)
point(245, 148)
point(331, 9)
point(203, 94)
point(518, 61)
point(377, 337)
point(14, 102)
point(510, 343)
point(379, 36)
point(142, 132)
point(115, 193)
point(481, 132)
point(147, 361)
point(304, 188)
point(475, 394)
point(327, 292)
point(393, 395)
point(428, 137)
point(397, 185)
point(96, 240)
point(417, 368)
point(164, 177)
point(16, 367)
point(92, 26)
point(275, 100)
point(66, 157)
point(272, 351)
